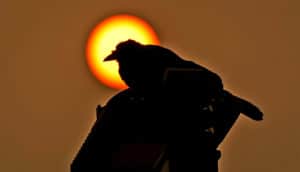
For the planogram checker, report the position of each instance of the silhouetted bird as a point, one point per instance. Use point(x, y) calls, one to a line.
point(152, 68)
point(191, 99)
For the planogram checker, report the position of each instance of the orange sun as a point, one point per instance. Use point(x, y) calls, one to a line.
point(103, 40)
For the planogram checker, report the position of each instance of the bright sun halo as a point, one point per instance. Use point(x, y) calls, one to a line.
point(103, 40)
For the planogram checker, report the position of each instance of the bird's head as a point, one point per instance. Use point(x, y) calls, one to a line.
point(129, 55)
point(124, 50)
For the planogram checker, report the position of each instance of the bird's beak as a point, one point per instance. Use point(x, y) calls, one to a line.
point(112, 56)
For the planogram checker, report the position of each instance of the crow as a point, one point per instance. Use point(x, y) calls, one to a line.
point(191, 102)
point(153, 68)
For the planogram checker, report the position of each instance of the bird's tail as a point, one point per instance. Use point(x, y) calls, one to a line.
point(247, 108)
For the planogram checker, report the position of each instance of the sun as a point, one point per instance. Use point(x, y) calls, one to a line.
point(103, 39)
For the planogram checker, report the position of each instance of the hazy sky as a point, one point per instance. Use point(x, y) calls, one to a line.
point(48, 95)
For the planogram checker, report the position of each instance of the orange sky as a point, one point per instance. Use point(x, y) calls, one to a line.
point(49, 96)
